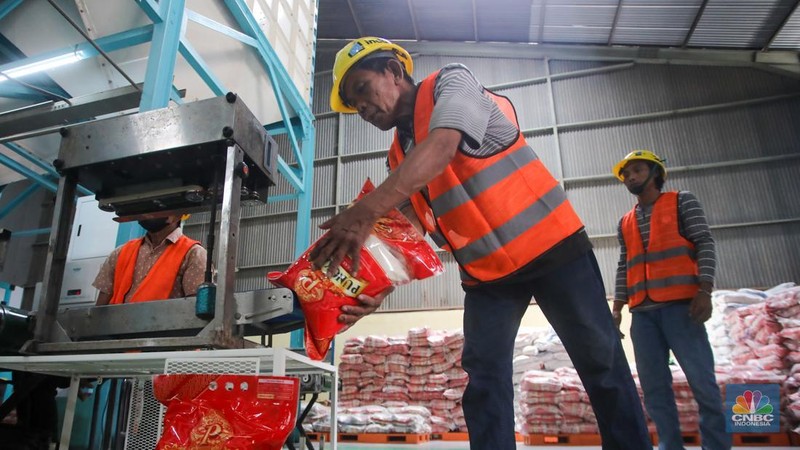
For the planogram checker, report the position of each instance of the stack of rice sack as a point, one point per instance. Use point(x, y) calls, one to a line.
point(553, 402)
point(783, 303)
point(725, 303)
point(421, 369)
point(386, 420)
point(318, 419)
point(766, 342)
point(541, 350)
point(755, 335)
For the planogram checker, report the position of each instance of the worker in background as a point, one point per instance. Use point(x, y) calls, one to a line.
point(665, 276)
point(462, 171)
point(161, 265)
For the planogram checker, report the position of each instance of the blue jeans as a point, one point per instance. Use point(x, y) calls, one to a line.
point(572, 297)
point(654, 333)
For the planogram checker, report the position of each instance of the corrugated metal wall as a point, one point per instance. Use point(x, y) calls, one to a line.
point(731, 135)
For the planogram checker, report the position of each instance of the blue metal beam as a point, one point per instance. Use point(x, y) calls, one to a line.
point(162, 57)
point(18, 149)
point(21, 197)
point(250, 26)
point(281, 82)
point(291, 175)
point(152, 9)
point(32, 232)
point(43, 180)
point(85, 50)
point(14, 90)
point(175, 96)
point(7, 6)
point(220, 28)
point(21, 151)
point(203, 70)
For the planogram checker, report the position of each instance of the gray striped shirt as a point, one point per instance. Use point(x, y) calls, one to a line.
point(692, 225)
point(461, 103)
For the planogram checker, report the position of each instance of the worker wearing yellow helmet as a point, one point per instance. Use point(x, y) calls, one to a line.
point(665, 276)
point(461, 169)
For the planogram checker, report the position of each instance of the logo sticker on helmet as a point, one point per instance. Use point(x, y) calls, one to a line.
point(357, 47)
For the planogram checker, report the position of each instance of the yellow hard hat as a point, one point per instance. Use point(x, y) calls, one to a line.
point(356, 51)
point(185, 217)
point(642, 155)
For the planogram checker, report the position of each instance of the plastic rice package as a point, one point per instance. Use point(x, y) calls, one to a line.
point(226, 412)
point(395, 253)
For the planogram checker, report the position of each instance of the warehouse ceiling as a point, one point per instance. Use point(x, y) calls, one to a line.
point(728, 24)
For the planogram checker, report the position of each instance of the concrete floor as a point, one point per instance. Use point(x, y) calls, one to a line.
point(439, 445)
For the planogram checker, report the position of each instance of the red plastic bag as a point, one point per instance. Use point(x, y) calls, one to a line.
point(226, 412)
point(394, 254)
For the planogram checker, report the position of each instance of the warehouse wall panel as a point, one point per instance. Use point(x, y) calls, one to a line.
point(768, 129)
point(532, 105)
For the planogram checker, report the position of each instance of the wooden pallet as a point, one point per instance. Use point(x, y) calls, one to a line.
point(377, 438)
point(464, 437)
point(740, 439)
point(761, 439)
point(562, 439)
point(450, 436)
point(315, 436)
point(688, 438)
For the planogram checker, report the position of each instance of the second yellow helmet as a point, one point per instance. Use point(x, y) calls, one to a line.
point(355, 51)
point(642, 155)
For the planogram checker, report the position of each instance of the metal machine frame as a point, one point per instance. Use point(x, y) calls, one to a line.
point(181, 144)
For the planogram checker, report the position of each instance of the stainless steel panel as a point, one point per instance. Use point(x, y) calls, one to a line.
point(167, 148)
point(174, 316)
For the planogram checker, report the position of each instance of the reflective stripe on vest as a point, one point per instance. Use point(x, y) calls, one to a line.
point(496, 214)
point(159, 281)
point(667, 269)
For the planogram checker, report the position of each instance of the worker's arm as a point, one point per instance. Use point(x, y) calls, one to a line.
point(103, 299)
point(694, 227)
point(193, 270)
point(411, 215)
point(621, 288)
point(348, 230)
point(104, 281)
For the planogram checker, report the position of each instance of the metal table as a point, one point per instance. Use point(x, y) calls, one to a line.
point(266, 361)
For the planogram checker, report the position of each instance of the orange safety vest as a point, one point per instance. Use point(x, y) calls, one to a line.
point(495, 214)
point(667, 269)
point(158, 283)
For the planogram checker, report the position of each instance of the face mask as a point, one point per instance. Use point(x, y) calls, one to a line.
point(154, 225)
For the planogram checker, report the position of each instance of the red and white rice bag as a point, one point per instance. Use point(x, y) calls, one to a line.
point(394, 254)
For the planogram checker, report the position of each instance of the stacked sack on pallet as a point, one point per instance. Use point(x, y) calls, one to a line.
point(725, 303)
point(420, 369)
point(783, 304)
point(538, 348)
point(764, 335)
point(553, 402)
point(384, 420)
point(318, 419)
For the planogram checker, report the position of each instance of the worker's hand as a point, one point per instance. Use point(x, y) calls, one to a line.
point(700, 307)
point(347, 232)
point(616, 314)
point(368, 305)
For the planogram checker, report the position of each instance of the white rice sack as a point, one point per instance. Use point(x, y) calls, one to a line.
point(393, 265)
